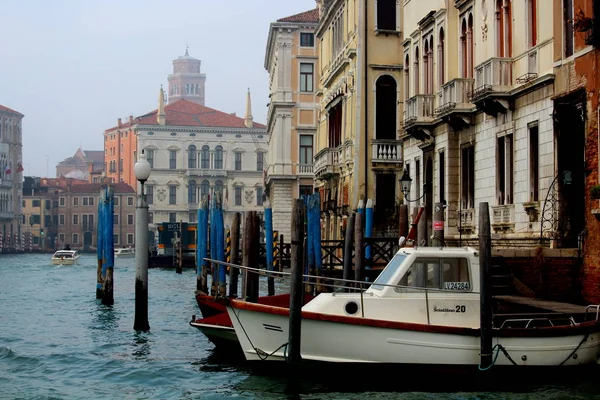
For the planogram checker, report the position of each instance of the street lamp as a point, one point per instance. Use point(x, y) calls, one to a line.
point(142, 173)
point(405, 182)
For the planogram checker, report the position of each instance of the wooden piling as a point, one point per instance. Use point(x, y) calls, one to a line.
point(251, 256)
point(358, 246)
point(485, 256)
point(348, 242)
point(109, 248)
point(99, 248)
point(422, 239)
point(235, 259)
point(281, 252)
point(296, 290)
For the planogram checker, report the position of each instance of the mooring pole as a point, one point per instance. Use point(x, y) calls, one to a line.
point(142, 172)
point(109, 248)
point(296, 292)
point(348, 242)
point(403, 221)
point(235, 259)
point(358, 246)
point(99, 245)
point(485, 255)
point(269, 245)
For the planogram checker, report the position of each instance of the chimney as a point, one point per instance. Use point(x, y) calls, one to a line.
point(119, 122)
point(130, 120)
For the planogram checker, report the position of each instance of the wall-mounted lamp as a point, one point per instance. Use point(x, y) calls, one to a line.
point(405, 182)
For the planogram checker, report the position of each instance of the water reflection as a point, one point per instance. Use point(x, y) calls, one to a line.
point(141, 345)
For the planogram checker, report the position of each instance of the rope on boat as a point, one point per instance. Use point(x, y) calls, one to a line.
point(576, 348)
point(263, 355)
point(498, 347)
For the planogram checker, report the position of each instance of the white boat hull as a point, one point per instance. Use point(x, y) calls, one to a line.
point(65, 261)
point(331, 341)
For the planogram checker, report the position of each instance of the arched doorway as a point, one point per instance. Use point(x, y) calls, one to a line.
point(87, 241)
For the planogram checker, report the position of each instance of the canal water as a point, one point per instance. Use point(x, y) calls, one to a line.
point(58, 342)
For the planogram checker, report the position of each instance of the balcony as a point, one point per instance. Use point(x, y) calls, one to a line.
point(503, 220)
point(347, 154)
point(467, 221)
point(305, 169)
point(493, 83)
point(6, 215)
point(205, 172)
point(386, 152)
point(419, 116)
point(454, 105)
point(327, 162)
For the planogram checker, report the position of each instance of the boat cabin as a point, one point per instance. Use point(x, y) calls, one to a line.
point(425, 285)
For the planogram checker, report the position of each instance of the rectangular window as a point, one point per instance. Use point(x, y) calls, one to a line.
point(534, 162)
point(417, 180)
point(48, 204)
point(386, 15)
point(75, 201)
point(116, 201)
point(305, 190)
point(172, 159)
point(442, 176)
point(129, 219)
point(259, 196)
point(150, 157)
point(467, 177)
point(61, 219)
point(84, 201)
point(307, 39)
point(115, 219)
point(569, 33)
point(36, 203)
point(532, 22)
point(238, 196)
point(91, 201)
point(172, 217)
point(192, 216)
point(504, 170)
point(150, 217)
point(130, 238)
point(75, 219)
point(75, 238)
point(129, 200)
point(439, 273)
point(238, 161)
point(47, 220)
point(306, 150)
point(172, 194)
point(259, 161)
point(150, 194)
point(116, 239)
point(61, 237)
point(306, 77)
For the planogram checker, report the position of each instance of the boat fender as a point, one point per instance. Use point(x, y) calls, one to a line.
point(351, 308)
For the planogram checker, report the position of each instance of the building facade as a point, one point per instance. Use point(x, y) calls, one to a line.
point(358, 147)
point(62, 211)
point(11, 178)
point(292, 62)
point(84, 164)
point(575, 116)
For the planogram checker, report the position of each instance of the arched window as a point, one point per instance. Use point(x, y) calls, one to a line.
point(205, 157)
point(192, 156)
point(426, 82)
point(219, 157)
point(385, 121)
point(463, 49)
point(204, 188)
point(218, 186)
point(192, 192)
point(441, 59)
point(416, 73)
point(470, 55)
point(503, 28)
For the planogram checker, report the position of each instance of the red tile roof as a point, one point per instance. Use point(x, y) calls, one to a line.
point(306, 16)
point(2, 108)
point(186, 113)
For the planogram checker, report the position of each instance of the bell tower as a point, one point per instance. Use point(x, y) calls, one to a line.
point(186, 81)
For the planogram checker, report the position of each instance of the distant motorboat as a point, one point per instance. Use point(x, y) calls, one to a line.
point(125, 252)
point(65, 257)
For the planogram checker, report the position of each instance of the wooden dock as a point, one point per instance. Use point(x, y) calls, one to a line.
point(547, 305)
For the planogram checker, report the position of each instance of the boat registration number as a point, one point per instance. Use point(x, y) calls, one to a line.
point(456, 285)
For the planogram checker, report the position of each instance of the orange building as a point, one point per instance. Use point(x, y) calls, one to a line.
point(119, 152)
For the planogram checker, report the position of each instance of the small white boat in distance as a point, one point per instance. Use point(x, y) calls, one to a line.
point(65, 257)
point(124, 252)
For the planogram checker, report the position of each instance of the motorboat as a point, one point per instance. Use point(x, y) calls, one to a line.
point(124, 252)
point(424, 308)
point(65, 257)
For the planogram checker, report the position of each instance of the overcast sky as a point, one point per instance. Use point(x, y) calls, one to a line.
point(74, 67)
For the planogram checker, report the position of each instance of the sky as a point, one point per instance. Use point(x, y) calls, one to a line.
point(73, 67)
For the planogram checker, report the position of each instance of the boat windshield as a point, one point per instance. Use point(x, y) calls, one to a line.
point(389, 271)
